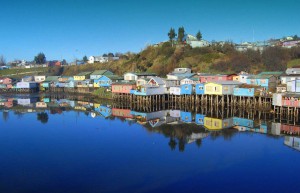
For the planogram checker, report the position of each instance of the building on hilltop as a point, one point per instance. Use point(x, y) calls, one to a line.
point(195, 43)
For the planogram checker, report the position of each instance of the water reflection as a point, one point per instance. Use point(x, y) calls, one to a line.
point(181, 127)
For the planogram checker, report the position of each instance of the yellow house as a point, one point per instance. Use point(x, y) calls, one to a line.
point(217, 124)
point(82, 76)
point(220, 87)
point(236, 78)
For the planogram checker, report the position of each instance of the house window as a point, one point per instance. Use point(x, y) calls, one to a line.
point(252, 81)
point(200, 120)
point(200, 87)
point(186, 88)
point(263, 81)
point(226, 88)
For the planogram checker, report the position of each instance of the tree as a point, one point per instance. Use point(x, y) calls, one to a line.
point(85, 59)
point(104, 55)
point(40, 58)
point(172, 35)
point(180, 34)
point(63, 62)
point(275, 58)
point(172, 143)
point(2, 61)
point(296, 37)
point(110, 55)
point(199, 35)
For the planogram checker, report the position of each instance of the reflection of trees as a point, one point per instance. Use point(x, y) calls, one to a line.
point(172, 143)
point(178, 134)
point(43, 117)
point(226, 133)
point(5, 115)
point(181, 145)
point(199, 142)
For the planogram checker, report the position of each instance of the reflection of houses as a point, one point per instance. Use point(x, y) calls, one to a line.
point(186, 117)
point(290, 129)
point(199, 119)
point(104, 110)
point(293, 142)
point(124, 113)
point(217, 124)
point(220, 87)
point(41, 105)
point(275, 130)
point(196, 136)
point(27, 85)
point(27, 101)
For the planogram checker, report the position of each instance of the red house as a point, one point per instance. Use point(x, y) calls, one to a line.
point(215, 77)
point(5, 80)
point(123, 87)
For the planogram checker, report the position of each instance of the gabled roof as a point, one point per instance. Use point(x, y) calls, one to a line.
point(102, 72)
point(142, 73)
point(158, 80)
point(83, 74)
point(258, 76)
point(275, 73)
point(52, 78)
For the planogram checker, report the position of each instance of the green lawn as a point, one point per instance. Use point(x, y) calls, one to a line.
point(293, 63)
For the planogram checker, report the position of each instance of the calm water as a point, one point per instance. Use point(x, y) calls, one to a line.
point(81, 147)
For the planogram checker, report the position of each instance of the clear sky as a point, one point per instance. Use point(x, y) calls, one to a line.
point(69, 29)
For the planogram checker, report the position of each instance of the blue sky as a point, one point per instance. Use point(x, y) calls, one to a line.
point(69, 29)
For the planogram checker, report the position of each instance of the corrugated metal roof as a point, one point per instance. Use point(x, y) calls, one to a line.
point(226, 82)
point(83, 74)
point(102, 72)
point(275, 73)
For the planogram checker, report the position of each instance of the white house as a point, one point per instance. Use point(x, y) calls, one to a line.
point(129, 76)
point(195, 43)
point(179, 74)
point(97, 59)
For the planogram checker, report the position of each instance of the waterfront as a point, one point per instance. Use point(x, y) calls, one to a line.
point(75, 148)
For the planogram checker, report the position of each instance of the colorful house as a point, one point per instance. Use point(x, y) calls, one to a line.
point(186, 89)
point(268, 80)
point(247, 90)
point(99, 73)
point(106, 81)
point(203, 78)
point(199, 88)
point(286, 100)
point(28, 85)
point(50, 81)
point(123, 87)
point(217, 124)
point(175, 90)
point(133, 76)
point(155, 86)
point(82, 76)
point(220, 87)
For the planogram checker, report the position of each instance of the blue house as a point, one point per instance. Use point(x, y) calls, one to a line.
point(199, 89)
point(200, 119)
point(70, 84)
point(243, 122)
point(186, 117)
point(249, 91)
point(266, 80)
point(106, 81)
point(186, 89)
